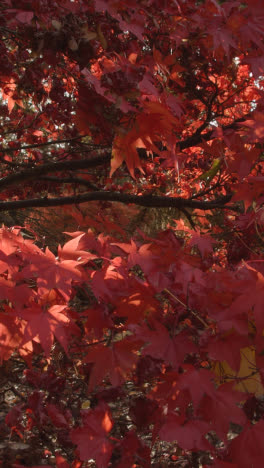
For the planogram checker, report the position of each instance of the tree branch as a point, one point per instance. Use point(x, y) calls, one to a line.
point(32, 173)
point(39, 145)
point(198, 137)
point(145, 200)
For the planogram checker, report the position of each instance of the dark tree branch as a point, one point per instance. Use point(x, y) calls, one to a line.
point(198, 137)
point(34, 172)
point(188, 216)
point(39, 145)
point(145, 200)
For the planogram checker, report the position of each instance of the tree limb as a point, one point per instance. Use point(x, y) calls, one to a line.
point(145, 200)
point(36, 171)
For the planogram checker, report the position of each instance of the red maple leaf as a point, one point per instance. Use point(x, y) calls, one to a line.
point(161, 345)
point(50, 273)
point(256, 127)
point(108, 282)
point(45, 324)
point(204, 242)
point(222, 408)
point(11, 335)
point(140, 304)
point(227, 348)
point(166, 391)
point(115, 361)
point(188, 434)
point(252, 299)
point(198, 382)
point(247, 449)
point(132, 449)
point(92, 438)
point(97, 320)
point(56, 416)
point(72, 251)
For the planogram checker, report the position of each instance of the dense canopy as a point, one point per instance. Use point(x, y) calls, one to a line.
point(139, 341)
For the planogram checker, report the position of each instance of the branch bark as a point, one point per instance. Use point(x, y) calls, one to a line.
point(36, 171)
point(145, 200)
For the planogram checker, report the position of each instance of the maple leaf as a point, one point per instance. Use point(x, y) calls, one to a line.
point(72, 251)
point(88, 111)
point(227, 348)
point(142, 412)
point(257, 65)
point(45, 324)
point(108, 282)
point(223, 38)
point(256, 128)
point(8, 93)
point(132, 449)
point(157, 119)
point(204, 242)
point(91, 439)
point(249, 190)
point(160, 345)
point(175, 104)
point(188, 434)
point(198, 382)
point(115, 361)
point(10, 336)
point(89, 241)
point(56, 416)
point(36, 403)
point(125, 149)
point(252, 298)
point(19, 295)
point(221, 408)
point(50, 273)
point(97, 320)
point(186, 107)
point(147, 256)
point(97, 85)
point(166, 391)
point(138, 305)
point(247, 448)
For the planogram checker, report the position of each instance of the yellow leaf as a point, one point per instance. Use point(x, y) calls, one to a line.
point(248, 379)
point(86, 404)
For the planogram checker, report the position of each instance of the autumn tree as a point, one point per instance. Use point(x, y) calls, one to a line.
point(132, 345)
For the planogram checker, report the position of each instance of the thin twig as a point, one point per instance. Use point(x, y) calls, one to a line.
point(195, 314)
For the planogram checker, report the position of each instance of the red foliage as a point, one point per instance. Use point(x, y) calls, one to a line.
point(133, 348)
